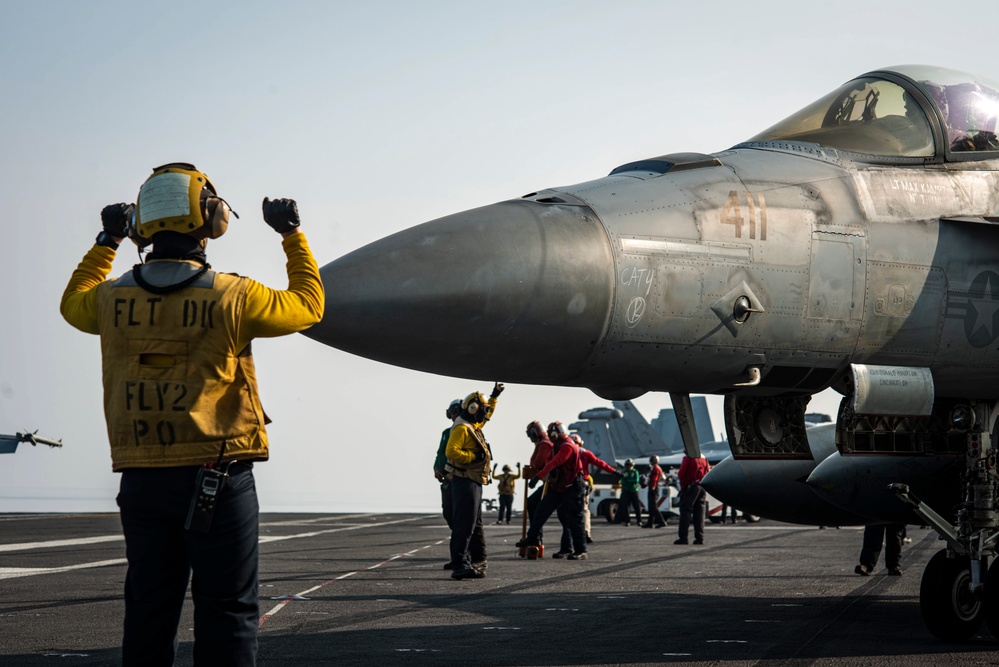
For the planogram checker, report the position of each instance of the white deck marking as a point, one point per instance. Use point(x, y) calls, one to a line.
point(359, 526)
point(285, 600)
point(52, 544)
point(324, 519)
point(17, 572)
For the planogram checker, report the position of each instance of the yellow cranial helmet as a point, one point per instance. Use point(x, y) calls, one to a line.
point(474, 404)
point(178, 198)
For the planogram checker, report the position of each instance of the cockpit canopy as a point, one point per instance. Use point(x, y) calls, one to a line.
point(912, 111)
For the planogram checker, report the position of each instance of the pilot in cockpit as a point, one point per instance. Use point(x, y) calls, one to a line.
point(970, 111)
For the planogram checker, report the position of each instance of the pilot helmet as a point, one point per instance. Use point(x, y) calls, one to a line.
point(178, 198)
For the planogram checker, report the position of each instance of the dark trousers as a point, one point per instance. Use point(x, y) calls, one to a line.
point(572, 517)
point(570, 505)
point(655, 516)
point(446, 502)
point(629, 498)
point(566, 543)
point(466, 517)
point(693, 502)
point(505, 507)
point(162, 556)
point(477, 546)
point(888, 534)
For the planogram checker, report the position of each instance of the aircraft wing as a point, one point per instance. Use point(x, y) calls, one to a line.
point(8, 444)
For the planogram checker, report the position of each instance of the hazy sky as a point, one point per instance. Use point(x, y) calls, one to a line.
point(375, 116)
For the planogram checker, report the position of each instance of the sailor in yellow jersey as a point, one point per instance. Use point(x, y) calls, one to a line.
point(184, 417)
point(468, 458)
point(507, 491)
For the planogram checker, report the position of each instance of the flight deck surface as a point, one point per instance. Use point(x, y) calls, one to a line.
point(369, 589)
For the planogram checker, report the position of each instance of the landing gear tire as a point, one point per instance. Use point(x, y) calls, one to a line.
point(992, 599)
point(610, 510)
point(950, 610)
point(751, 518)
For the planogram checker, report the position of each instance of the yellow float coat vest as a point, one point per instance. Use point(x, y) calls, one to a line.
point(466, 439)
point(176, 386)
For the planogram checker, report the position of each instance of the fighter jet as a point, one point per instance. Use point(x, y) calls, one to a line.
point(9, 443)
point(851, 245)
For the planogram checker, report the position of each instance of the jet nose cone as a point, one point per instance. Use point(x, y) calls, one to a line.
point(518, 291)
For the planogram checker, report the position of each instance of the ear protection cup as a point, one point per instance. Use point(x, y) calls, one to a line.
point(216, 214)
point(133, 233)
point(473, 404)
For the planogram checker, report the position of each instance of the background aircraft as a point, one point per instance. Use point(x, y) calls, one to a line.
point(9, 443)
point(621, 432)
point(851, 245)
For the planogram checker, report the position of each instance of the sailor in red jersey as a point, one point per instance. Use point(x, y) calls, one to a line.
point(692, 498)
point(655, 478)
point(565, 490)
point(589, 459)
point(542, 453)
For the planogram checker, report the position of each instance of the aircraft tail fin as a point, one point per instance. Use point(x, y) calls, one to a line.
point(632, 436)
point(665, 425)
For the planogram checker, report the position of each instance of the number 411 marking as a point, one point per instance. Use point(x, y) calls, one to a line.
point(732, 214)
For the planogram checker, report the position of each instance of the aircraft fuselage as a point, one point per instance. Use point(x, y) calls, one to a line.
point(794, 261)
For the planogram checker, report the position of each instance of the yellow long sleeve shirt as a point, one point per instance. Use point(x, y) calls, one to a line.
point(179, 379)
point(462, 444)
point(463, 448)
point(266, 312)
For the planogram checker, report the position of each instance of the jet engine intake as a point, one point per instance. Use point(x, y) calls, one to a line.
point(767, 427)
point(944, 431)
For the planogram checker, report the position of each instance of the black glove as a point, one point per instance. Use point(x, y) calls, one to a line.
point(497, 390)
point(494, 466)
point(115, 219)
point(281, 214)
point(533, 483)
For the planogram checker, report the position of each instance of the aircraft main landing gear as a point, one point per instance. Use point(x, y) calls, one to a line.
point(959, 590)
point(951, 611)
